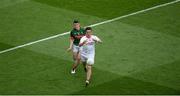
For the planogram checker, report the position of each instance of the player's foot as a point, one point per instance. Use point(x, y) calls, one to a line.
point(73, 71)
point(87, 83)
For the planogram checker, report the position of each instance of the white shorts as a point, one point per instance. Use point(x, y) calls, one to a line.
point(75, 48)
point(88, 58)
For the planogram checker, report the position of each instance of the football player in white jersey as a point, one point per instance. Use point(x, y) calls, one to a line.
point(87, 51)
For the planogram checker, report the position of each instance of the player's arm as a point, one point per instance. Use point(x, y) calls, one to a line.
point(82, 42)
point(71, 42)
point(97, 39)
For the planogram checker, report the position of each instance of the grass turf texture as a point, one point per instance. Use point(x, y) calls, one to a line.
point(142, 56)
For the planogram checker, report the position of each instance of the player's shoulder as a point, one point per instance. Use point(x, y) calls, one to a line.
point(83, 38)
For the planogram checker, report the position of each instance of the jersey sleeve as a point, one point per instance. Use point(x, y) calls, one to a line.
point(96, 38)
point(82, 40)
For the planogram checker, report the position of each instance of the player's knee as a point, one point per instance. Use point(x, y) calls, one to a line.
point(75, 57)
point(88, 67)
point(78, 58)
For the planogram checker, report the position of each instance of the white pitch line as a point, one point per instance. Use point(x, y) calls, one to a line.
point(93, 25)
point(138, 12)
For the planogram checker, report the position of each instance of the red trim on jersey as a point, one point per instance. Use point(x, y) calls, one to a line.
point(79, 36)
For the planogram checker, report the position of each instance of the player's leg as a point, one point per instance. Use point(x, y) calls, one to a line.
point(88, 73)
point(84, 65)
point(83, 60)
point(75, 63)
point(76, 58)
point(89, 64)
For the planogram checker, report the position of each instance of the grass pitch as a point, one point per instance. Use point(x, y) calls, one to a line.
point(140, 54)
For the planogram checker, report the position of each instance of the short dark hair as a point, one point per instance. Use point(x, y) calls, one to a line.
point(76, 21)
point(88, 28)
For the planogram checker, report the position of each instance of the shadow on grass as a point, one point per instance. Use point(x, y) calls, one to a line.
point(126, 85)
point(4, 46)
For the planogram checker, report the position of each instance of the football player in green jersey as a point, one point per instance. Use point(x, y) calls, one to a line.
point(75, 35)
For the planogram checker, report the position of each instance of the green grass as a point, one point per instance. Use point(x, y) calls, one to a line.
point(126, 85)
point(104, 8)
point(139, 55)
point(169, 20)
point(36, 73)
point(30, 21)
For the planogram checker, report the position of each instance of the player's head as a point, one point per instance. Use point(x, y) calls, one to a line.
point(88, 31)
point(76, 24)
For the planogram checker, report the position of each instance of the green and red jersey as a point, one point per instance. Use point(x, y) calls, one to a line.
point(76, 35)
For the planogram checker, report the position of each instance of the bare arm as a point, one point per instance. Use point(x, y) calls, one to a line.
point(82, 42)
point(96, 39)
point(99, 41)
point(71, 44)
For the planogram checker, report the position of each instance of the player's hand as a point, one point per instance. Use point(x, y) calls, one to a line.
point(85, 41)
point(100, 41)
point(97, 41)
point(69, 49)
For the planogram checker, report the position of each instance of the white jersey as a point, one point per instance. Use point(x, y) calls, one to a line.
point(89, 46)
point(87, 51)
